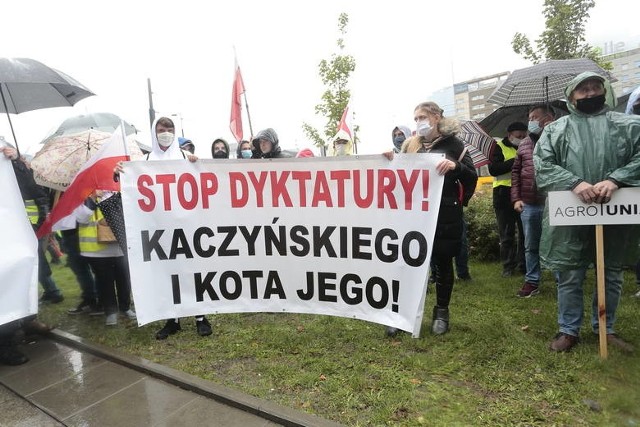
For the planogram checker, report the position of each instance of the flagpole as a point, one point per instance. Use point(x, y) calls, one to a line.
point(248, 115)
point(124, 140)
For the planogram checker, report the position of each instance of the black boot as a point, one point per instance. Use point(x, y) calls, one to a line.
point(171, 327)
point(440, 324)
point(391, 331)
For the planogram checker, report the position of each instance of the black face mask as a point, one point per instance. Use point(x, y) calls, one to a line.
point(220, 155)
point(636, 109)
point(590, 105)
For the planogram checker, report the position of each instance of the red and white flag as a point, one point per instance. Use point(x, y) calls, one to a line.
point(346, 122)
point(96, 174)
point(235, 123)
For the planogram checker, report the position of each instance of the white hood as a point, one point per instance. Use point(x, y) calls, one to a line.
point(172, 153)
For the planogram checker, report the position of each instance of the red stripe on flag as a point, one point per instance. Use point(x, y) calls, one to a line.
point(97, 176)
point(235, 123)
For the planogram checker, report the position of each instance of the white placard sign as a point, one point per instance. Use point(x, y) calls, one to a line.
point(565, 208)
point(348, 237)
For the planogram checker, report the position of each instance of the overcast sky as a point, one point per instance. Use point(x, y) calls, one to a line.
point(404, 50)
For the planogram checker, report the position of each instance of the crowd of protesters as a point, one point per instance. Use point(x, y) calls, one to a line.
point(592, 152)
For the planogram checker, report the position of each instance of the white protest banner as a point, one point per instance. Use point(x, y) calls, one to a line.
point(565, 208)
point(19, 266)
point(348, 236)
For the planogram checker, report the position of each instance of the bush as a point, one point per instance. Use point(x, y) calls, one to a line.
point(482, 232)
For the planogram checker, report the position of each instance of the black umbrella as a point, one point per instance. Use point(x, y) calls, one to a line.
point(542, 83)
point(111, 209)
point(497, 122)
point(27, 85)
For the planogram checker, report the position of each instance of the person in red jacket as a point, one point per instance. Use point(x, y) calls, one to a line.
point(526, 199)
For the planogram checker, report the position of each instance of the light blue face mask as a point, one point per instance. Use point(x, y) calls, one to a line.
point(534, 127)
point(246, 154)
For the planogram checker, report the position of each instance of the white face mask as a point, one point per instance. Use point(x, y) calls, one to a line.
point(341, 149)
point(423, 128)
point(165, 139)
point(515, 141)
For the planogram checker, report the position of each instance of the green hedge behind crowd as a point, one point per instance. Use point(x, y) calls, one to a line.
point(482, 232)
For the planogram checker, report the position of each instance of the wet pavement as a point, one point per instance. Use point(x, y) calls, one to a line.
point(70, 382)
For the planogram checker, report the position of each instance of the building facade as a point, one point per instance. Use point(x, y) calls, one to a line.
point(626, 68)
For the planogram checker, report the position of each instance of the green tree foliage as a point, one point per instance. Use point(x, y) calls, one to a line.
point(563, 37)
point(334, 73)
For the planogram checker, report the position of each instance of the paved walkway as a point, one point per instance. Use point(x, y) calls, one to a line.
point(69, 382)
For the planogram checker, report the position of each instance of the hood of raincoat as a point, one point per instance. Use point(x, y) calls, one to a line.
point(226, 144)
point(171, 153)
point(404, 129)
point(610, 100)
point(635, 95)
point(270, 135)
point(342, 135)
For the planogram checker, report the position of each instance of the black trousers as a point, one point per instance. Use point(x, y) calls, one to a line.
point(443, 273)
point(508, 221)
point(112, 275)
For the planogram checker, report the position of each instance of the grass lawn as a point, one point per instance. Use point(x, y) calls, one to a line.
point(492, 369)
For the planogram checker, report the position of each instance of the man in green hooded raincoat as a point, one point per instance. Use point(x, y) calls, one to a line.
point(592, 152)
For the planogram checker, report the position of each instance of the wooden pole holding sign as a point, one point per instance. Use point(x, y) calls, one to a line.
point(602, 311)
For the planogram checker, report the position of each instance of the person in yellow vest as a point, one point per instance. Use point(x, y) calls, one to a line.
point(107, 261)
point(507, 219)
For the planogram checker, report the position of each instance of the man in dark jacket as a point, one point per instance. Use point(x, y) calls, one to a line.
point(511, 250)
point(36, 200)
point(526, 199)
point(267, 146)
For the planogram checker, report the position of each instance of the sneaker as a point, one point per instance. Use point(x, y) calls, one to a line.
point(528, 290)
point(129, 314)
point(563, 342)
point(112, 319)
point(464, 278)
point(10, 355)
point(636, 295)
point(171, 327)
point(96, 310)
point(82, 308)
point(203, 327)
point(507, 273)
point(51, 299)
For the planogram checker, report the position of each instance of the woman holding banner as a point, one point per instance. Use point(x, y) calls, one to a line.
point(437, 134)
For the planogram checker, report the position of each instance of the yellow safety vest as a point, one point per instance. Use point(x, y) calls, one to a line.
point(505, 178)
point(88, 234)
point(32, 211)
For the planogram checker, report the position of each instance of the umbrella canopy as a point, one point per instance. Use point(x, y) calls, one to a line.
point(105, 122)
point(26, 85)
point(497, 122)
point(542, 83)
point(477, 141)
point(60, 159)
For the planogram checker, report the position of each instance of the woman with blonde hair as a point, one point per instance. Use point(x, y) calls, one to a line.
point(437, 134)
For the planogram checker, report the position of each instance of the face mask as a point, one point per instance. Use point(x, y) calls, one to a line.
point(220, 155)
point(423, 128)
point(515, 141)
point(636, 109)
point(246, 154)
point(534, 127)
point(398, 140)
point(341, 149)
point(590, 105)
point(165, 139)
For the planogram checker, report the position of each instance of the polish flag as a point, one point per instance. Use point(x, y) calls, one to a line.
point(235, 123)
point(346, 122)
point(96, 174)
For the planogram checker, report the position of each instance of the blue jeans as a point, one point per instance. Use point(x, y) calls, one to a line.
point(571, 302)
point(531, 217)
